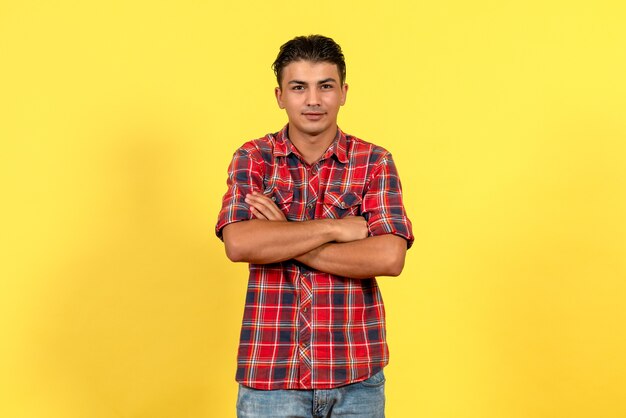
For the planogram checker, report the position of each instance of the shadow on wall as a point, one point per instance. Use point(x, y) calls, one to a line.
point(140, 321)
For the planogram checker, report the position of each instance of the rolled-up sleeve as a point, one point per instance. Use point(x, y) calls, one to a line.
point(382, 203)
point(244, 176)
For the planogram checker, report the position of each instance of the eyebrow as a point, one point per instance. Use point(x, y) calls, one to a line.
point(324, 81)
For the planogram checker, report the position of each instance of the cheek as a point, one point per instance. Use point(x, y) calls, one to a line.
point(287, 105)
point(333, 108)
point(292, 110)
point(334, 103)
point(292, 105)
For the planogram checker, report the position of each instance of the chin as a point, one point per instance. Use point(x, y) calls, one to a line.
point(310, 128)
point(314, 131)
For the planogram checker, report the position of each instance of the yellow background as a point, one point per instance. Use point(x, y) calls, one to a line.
point(507, 121)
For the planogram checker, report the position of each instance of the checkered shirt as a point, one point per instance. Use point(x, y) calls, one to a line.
point(302, 328)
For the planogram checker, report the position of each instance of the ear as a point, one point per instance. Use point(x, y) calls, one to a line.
point(344, 93)
point(279, 97)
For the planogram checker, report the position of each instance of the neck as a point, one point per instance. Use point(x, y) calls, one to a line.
point(312, 147)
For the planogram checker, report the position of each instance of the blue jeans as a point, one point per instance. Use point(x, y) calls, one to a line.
point(364, 399)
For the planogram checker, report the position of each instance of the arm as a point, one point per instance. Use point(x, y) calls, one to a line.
point(262, 241)
point(249, 237)
point(381, 255)
point(361, 258)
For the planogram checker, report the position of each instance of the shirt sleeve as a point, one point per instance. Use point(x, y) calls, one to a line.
point(382, 204)
point(245, 175)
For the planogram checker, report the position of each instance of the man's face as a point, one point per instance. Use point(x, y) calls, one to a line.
point(311, 94)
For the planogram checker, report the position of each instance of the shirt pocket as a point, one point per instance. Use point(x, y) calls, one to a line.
point(282, 196)
point(341, 204)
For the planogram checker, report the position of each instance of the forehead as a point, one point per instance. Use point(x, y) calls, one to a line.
point(310, 72)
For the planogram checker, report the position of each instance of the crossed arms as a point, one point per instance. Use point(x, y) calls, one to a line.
point(335, 246)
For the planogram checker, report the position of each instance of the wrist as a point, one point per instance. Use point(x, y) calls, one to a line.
point(330, 229)
point(309, 257)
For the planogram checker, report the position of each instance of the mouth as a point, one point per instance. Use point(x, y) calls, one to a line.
point(313, 115)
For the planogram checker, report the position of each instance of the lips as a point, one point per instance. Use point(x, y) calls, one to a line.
point(313, 115)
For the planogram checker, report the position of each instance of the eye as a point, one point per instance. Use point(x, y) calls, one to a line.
point(297, 88)
point(327, 86)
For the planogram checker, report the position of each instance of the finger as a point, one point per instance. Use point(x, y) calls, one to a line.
point(273, 212)
point(269, 212)
point(267, 206)
point(261, 203)
point(256, 207)
point(259, 215)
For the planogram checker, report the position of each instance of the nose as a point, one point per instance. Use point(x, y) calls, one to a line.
point(313, 97)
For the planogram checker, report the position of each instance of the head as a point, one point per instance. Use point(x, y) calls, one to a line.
point(311, 72)
point(313, 48)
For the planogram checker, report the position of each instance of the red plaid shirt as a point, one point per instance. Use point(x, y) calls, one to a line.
point(302, 328)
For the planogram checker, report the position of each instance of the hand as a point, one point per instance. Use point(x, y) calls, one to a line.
point(262, 207)
point(351, 228)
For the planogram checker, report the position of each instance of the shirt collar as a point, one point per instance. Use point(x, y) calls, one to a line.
point(339, 147)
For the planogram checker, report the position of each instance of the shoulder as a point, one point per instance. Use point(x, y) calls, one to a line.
point(260, 149)
point(359, 150)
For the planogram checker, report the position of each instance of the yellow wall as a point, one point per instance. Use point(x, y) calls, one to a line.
point(507, 122)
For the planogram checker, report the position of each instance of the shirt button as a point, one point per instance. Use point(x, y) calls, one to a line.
point(305, 309)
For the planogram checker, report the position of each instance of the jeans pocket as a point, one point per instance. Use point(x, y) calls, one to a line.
point(375, 380)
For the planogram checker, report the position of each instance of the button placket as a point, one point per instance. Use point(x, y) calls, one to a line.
point(310, 210)
point(304, 332)
point(312, 191)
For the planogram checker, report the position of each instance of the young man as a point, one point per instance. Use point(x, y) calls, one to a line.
point(317, 214)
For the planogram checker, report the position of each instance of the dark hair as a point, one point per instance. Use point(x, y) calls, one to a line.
point(314, 48)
